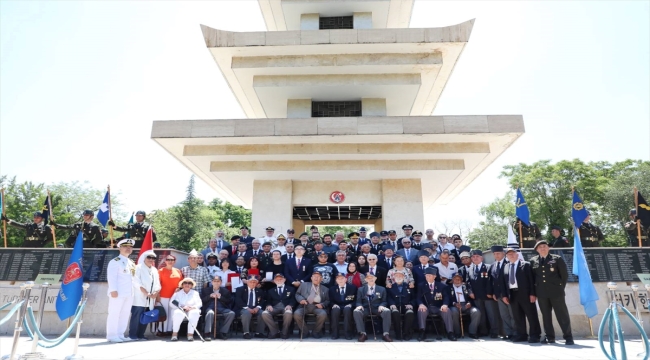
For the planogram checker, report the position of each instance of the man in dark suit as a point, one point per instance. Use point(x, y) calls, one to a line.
point(434, 297)
point(354, 246)
point(500, 290)
point(289, 254)
point(248, 302)
point(313, 298)
point(372, 300)
point(479, 280)
point(245, 238)
point(387, 259)
point(376, 270)
point(392, 240)
point(462, 303)
point(242, 250)
point(522, 297)
point(223, 301)
point(401, 301)
point(550, 274)
point(342, 297)
point(407, 252)
point(232, 247)
point(279, 300)
point(375, 244)
point(418, 269)
point(297, 269)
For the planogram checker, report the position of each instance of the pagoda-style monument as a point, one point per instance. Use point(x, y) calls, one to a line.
point(339, 97)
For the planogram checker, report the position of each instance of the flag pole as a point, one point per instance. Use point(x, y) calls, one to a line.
point(4, 222)
point(636, 206)
point(49, 202)
point(110, 216)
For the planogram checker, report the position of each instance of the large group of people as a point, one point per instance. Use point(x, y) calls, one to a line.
point(360, 285)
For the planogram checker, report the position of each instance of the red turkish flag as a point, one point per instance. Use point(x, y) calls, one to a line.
point(147, 244)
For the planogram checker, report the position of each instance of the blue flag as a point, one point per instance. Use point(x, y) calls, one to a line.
point(103, 214)
point(72, 283)
point(588, 294)
point(521, 209)
point(47, 208)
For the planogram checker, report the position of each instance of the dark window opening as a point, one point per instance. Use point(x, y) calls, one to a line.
point(336, 22)
point(335, 108)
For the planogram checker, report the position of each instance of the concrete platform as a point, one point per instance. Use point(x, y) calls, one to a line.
point(95, 348)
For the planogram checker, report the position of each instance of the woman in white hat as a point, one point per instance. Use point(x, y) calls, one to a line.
point(147, 286)
point(189, 302)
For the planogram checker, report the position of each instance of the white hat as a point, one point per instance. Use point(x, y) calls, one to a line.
point(194, 253)
point(148, 253)
point(126, 242)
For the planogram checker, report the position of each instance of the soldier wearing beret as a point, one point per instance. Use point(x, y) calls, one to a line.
point(136, 231)
point(92, 234)
point(633, 233)
point(530, 233)
point(550, 276)
point(479, 281)
point(433, 297)
point(590, 234)
point(559, 241)
point(37, 233)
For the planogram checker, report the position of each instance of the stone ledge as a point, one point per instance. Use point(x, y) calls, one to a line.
point(365, 125)
point(459, 33)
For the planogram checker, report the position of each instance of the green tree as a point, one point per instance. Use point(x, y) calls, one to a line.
point(494, 229)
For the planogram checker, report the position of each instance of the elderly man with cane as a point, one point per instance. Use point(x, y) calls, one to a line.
point(217, 301)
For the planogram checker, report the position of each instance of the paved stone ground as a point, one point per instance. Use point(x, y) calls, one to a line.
point(96, 348)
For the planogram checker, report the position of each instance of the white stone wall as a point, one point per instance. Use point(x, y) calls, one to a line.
point(298, 108)
point(309, 21)
point(362, 20)
point(272, 206)
point(373, 107)
point(402, 203)
point(317, 193)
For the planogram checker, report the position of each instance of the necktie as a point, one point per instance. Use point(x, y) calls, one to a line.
point(512, 274)
point(431, 287)
point(255, 252)
point(280, 291)
point(408, 251)
point(498, 268)
point(372, 271)
point(251, 303)
point(342, 293)
point(475, 272)
point(372, 293)
point(298, 263)
point(388, 262)
point(239, 270)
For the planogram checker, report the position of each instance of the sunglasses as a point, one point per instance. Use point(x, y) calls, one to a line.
point(151, 257)
point(170, 259)
point(187, 283)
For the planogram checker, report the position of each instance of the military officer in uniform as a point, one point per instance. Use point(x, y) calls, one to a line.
point(136, 231)
point(590, 234)
point(92, 234)
point(550, 276)
point(530, 233)
point(37, 234)
point(434, 297)
point(120, 276)
point(633, 233)
point(559, 241)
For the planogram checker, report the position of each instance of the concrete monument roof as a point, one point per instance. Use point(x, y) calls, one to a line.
point(282, 15)
point(407, 67)
point(446, 152)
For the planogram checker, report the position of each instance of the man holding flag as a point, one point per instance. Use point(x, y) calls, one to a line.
point(588, 294)
point(527, 231)
point(72, 283)
point(136, 231)
point(91, 233)
point(37, 234)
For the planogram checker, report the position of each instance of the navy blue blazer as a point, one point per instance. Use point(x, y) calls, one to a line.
point(293, 273)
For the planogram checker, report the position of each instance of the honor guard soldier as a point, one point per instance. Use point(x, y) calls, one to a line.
point(530, 233)
point(590, 234)
point(37, 234)
point(633, 233)
point(550, 274)
point(92, 234)
point(559, 241)
point(433, 297)
point(136, 231)
point(120, 275)
point(408, 230)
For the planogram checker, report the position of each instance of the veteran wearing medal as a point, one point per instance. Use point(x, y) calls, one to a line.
point(372, 300)
point(120, 276)
point(37, 234)
point(550, 275)
point(136, 231)
point(433, 297)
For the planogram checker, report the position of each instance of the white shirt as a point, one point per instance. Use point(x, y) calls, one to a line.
point(458, 293)
point(447, 246)
point(120, 276)
point(446, 271)
point(272, 239)
point(223, 275)
point(374, 269)
point(371, 290)
point(282, 249)
point(342, 268)
point(212, 271)
point(147, 278)
point(475, 268)
point(190, 298)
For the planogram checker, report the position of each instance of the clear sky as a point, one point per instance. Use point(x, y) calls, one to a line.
point(82, 81)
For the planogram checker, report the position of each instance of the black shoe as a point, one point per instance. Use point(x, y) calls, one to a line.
point(317, 335)
point(348, 337)
point(494, 336)
point(451, 337)
point(408, 336)
point(335, 336)
point(422, 336)
point(207, 338)
point(259, 336)
point(247, 336)
point(569, 342)
point(547, 340)
point(473, 336)
point(533, 340)
point(224, 336)
point(285, 336)
point(519, 339)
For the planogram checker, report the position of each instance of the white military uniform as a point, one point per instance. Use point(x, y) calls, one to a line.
point(120, 273)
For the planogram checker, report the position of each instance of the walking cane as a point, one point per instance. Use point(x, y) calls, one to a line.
point(214, 325)
point(374, 334)
point(462, 328)
point(302, 328)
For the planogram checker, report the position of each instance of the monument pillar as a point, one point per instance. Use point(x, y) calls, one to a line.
point(402, 203)
point(272, 201)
